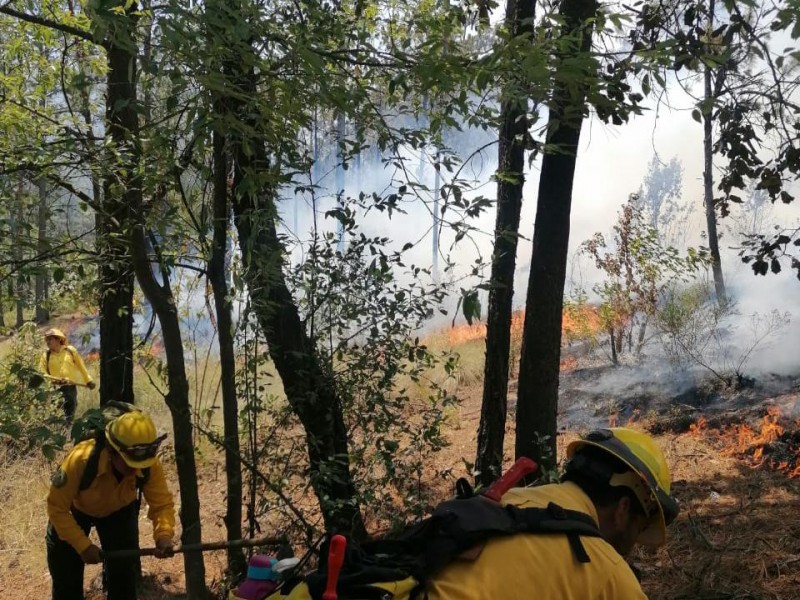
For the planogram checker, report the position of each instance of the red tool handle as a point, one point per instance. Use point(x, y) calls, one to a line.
point(524, 466)
point(335, 560)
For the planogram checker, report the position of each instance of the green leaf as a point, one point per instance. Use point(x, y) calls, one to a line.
point(58, 274)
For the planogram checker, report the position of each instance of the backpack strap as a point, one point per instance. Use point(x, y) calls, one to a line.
point(93, 462)
point(140, 483)
point(555, 519)
point(47, 361)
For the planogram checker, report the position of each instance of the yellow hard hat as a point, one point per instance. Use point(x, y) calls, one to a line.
point(57, 333)
point(133, 435)
point(649, 480)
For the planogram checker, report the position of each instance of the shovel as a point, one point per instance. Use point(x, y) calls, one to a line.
point(201, 547)
point(37, 379)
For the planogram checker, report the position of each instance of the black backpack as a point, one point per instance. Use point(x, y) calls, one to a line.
point(457, 527)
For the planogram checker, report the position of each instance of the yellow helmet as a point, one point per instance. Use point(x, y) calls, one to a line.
point(649, 477)
point(56, 333)
point(133, 435)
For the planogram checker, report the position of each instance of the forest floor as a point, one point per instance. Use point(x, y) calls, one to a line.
point(733, 453)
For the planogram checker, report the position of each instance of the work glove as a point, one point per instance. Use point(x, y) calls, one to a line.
point(91, 385)
point(164, 548)
point(92, 555)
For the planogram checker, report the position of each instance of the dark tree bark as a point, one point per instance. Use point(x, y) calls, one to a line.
point(227, 356)
point(116, 309)
point(42, 314)
point(537, 403)
point(309, 387)
point(116, 273)
point(511, 169)
point(130, 239)
point(160, 297)
point(710, 91)
point(20, 287)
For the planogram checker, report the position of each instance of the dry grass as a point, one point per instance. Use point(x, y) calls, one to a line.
point(737, 534)
point(737, 537)
point(22, 519)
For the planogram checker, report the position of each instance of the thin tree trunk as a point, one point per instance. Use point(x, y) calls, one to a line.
point(177, 399)
point(537, 403)
point(613, 339)
point(123, 128)
point(708, 174)
point(227, 357)
point(42, 314)
point(115, 271)
point(16, 255)
point(511, 168)
point(309, 387)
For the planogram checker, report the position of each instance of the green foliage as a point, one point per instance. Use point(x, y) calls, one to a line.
point(30, 418)
point(637, 268)
point(362, 306)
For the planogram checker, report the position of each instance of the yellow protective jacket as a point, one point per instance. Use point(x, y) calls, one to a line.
point(65, 364)
point(540, 566)
point(529, 566)
point(104, 496)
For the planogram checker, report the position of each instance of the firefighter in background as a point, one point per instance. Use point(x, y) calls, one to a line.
point(64, 367)
point(98, 484)
point(617, 476)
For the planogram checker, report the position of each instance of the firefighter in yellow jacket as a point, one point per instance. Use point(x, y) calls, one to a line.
point(98, 484)
point(616, 477)
point(620, 478)
point(64, 367)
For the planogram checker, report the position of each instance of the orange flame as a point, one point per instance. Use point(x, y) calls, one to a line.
point(698, 426)
point(756, 445)
point(576, 322)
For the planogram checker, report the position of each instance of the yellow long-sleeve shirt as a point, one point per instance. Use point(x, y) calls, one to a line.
point(527, 565)
point(65, 364)
point(104, 496)
point(540, 566)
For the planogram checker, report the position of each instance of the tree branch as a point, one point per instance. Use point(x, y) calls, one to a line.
point(81, 33)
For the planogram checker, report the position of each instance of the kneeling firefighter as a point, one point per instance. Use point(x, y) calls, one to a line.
point(563, 541)
point(99, 484)
point(620, 479)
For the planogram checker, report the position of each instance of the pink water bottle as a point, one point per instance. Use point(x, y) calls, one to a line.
point(261, 579)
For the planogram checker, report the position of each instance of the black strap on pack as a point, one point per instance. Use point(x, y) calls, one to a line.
point(93, 464)
point(455, 527)
point(49, 352)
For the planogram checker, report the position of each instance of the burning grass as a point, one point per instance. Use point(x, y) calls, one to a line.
point(737, 534)
point(579, 323)
point(774, 443)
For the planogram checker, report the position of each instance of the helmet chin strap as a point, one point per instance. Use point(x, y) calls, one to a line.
point(638, 485)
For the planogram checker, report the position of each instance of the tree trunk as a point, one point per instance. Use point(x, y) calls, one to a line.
point(708, 174)
point(310, 389)
point(123, 128)
point(115, 271)
point(177, 399)
point(227, 357)
point(613, 341)
point(537, 403)
point(42, 314)
point(20, 288)
point(511, 170)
